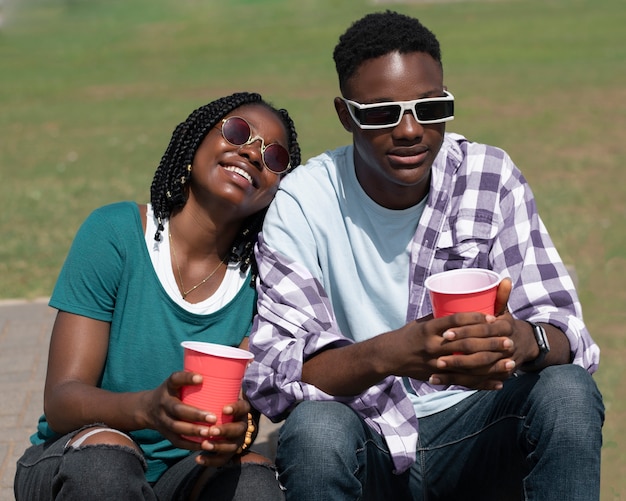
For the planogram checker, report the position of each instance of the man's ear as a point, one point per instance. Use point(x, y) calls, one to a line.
point(344, 115)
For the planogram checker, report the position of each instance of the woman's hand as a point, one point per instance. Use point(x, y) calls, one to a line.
point(228, 438)
point(175, 420)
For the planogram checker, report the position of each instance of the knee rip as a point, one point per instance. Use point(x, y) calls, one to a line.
point(254, 458)
point(128, 449)
point(102, 437)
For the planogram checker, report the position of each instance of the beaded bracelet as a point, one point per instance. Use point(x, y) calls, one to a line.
point(248, 439)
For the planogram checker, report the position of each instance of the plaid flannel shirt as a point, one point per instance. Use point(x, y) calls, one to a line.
point(480, 213)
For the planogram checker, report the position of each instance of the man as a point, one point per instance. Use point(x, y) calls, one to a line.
point(381, 400)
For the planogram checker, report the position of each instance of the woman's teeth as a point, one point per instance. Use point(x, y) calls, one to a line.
point(241, 172)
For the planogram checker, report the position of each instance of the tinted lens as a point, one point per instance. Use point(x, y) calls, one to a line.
point(276, 158)
point(236, 131)
point(382, 115)
point(435, 110)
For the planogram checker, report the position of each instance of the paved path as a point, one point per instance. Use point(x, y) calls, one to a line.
point(24, 334)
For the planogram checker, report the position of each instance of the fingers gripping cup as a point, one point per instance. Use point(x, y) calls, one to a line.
point(464, 290)
point(222, 369)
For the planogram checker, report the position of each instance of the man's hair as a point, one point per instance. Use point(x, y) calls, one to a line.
point(378, 34)
point(168, 185)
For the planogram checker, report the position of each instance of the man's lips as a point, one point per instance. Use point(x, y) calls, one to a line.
point(407, 156)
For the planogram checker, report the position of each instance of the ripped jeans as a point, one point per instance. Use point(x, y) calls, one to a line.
point(58, 471)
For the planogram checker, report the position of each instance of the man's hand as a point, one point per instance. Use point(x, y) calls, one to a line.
point(481, 369)
point(502, 296)
point(425, 350)
point(482, 358)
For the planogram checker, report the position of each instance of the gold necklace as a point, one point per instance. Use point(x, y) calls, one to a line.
point(180, 276)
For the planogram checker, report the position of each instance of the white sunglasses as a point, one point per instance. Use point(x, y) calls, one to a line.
point(429, 110)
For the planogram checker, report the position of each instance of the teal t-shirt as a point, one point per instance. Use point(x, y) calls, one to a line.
point(108, 276)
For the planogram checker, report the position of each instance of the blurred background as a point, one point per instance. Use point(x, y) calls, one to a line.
point(91, 90)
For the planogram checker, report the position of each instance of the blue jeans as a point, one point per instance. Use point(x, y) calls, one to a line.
point(539, 438)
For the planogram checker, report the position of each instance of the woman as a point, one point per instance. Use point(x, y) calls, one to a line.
point(138, 280)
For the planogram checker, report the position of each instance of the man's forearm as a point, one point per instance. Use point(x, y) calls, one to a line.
point(348, 370)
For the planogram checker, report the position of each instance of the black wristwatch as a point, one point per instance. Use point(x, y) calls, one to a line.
point(542, 342)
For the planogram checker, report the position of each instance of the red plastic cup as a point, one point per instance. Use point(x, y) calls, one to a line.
point(222, 369)
point(461, 291)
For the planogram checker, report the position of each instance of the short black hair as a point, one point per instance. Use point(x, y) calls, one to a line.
point(168, 191)
point(378, 34)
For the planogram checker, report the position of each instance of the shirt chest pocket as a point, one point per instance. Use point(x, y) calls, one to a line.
point(465, 241)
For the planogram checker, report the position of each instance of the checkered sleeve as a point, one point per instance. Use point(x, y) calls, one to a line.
point(543, 290)
point(294, 321)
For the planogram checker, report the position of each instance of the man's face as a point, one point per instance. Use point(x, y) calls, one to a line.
point(393, 164)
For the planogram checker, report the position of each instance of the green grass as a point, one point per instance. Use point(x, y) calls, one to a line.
point(90, 91)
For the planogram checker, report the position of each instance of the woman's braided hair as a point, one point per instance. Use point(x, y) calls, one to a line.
point(168, 192)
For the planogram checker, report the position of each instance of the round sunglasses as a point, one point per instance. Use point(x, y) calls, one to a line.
point(430, 110)
point(238, 132)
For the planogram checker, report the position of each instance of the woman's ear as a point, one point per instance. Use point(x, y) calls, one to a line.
point(344, 115)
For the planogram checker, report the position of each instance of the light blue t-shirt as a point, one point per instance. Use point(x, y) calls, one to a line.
point(368, 241)
point(108, 276)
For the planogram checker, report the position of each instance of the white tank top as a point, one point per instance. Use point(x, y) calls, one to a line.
point(161, 261)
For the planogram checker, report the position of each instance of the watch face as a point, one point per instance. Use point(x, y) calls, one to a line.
point(542, 338)
point(542, 342)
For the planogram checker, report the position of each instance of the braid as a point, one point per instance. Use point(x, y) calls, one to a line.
point(243, 246)
point(168, 192)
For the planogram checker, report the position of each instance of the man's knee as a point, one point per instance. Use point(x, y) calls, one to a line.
point(319, 431)
point(571, 381)
point(326, 421)
point(568, 394)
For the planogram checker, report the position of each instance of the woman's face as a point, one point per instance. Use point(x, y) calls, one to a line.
point(235, 177)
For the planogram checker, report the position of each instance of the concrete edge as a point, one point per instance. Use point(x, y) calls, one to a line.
point(19, 302)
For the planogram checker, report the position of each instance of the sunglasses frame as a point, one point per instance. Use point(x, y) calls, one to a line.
point(404, 105)
point(251, 140)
